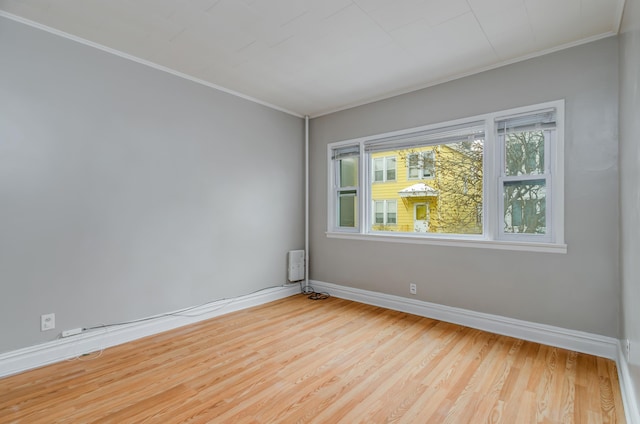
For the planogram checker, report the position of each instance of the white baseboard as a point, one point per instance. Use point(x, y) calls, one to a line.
point(579, 341)
point(36, 356)
point(627, 390)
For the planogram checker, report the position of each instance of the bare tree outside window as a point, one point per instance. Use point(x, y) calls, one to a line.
point(525, 199)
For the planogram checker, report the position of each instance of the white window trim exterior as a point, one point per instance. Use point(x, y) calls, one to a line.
point(493, 236)
point(385, 212)
point(385, 169)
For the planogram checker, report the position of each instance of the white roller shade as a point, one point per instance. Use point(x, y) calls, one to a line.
point(464, 132)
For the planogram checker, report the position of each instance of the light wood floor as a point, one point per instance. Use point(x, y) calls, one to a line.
point(329, 361)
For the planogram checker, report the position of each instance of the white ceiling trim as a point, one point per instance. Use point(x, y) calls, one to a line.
point(142, 61)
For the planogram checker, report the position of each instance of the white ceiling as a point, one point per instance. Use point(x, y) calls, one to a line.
point(310, 57)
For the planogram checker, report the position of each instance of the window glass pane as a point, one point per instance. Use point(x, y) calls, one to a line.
point(428, 164)
point(379, 212)
point(391, 211)
point(378, 169)
point(524, 153)
point(347, 208)
point(391, 168)
point(525, 207)
point(448, 198)
point(348, 172)
point(413, 163)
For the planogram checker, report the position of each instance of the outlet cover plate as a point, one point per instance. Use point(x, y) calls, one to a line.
point(47, 322)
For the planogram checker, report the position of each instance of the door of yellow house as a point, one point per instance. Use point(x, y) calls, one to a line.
point(421, 218)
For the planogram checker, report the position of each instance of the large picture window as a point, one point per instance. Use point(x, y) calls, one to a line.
point(453, 192)
point(487, 181)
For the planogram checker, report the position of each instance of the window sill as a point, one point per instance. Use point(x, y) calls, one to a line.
point(455, 242)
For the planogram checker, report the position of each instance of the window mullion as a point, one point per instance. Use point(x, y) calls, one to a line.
point(491, 208)
point(385, 167)
point(385, 212)
point(549, 137)
point(364, 182)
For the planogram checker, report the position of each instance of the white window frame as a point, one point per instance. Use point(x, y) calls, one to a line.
point(550, 139)
point(336, 190)
point(493, 235)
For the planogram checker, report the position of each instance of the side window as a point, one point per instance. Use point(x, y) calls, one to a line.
point(525, 178)
point(346, 187)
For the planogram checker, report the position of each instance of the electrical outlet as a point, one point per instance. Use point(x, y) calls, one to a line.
point(47, 322)
point(413, 289)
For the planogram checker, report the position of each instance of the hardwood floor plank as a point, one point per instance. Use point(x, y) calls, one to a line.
point(569, 389)
point(448, 391)
point(332, 361)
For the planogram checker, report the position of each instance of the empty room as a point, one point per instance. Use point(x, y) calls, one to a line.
point(323, 211)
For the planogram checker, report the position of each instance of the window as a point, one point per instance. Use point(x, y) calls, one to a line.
point(525, 174)
point(385, 212)
point(421, 165)
point(494, 180)
point(454, 193)
point(346, 190)
point(384, 169)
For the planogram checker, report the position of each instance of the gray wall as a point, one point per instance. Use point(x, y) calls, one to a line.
point(126, 191)
point(579, 290)
point(630, 182)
